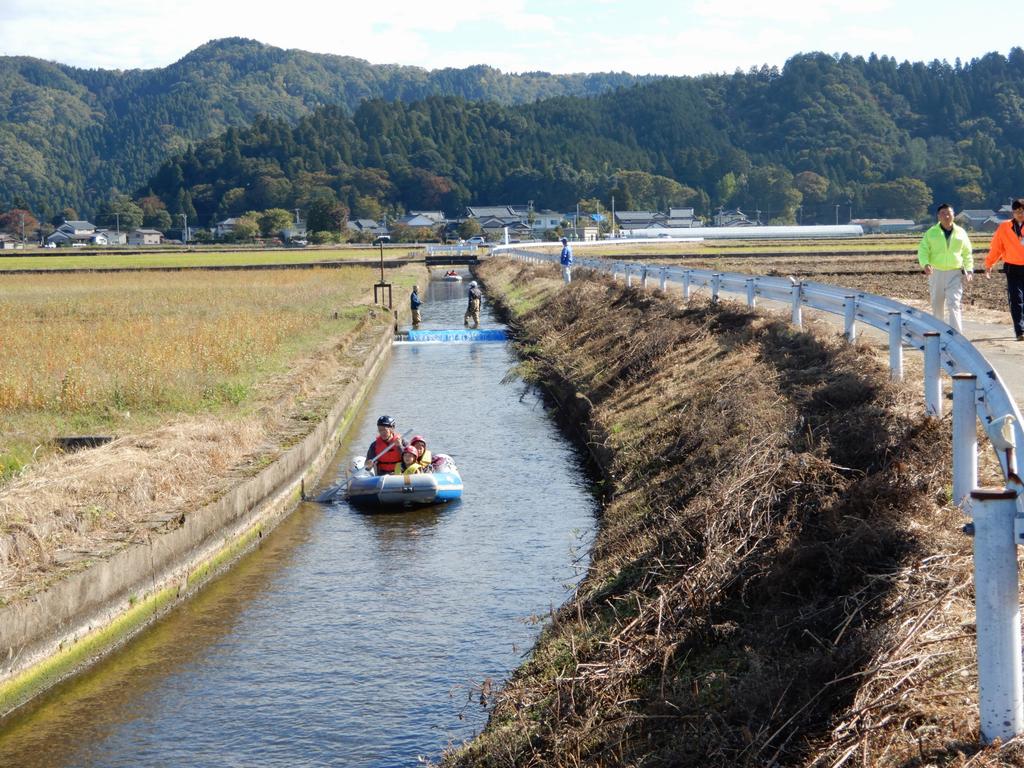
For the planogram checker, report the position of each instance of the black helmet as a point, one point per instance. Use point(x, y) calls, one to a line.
point(386, 421)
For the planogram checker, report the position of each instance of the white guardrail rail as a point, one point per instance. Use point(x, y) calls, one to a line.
point(978, 394)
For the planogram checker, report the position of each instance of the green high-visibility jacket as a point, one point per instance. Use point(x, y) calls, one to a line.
point(956, 253)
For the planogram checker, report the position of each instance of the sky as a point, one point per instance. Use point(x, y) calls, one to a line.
point(684, 37)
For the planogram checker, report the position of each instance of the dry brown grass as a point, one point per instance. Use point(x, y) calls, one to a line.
point(61, 512)
point(779, 578)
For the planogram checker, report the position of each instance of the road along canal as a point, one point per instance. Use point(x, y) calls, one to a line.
point(349, 638)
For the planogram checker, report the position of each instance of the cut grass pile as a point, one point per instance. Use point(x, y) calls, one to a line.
point(779, 578)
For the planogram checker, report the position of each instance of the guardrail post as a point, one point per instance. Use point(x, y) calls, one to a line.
point(663, 279)
point(629, 275)
point(896, 346)
point(997, 614)
point(751, 293)
point(716, 282)
point(965, 437)
point(643, 280)
point(850, 318)
point(798, 306)
point(932, 375)
point(686, 285)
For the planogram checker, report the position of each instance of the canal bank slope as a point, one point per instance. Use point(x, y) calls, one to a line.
point(779, 578)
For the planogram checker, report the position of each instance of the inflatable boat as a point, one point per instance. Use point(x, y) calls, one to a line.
point(452, 277)
point(438, 484)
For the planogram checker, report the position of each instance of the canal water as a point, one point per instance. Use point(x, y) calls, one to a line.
point(347, 638)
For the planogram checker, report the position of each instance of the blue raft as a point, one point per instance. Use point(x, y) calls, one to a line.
point(439, 484)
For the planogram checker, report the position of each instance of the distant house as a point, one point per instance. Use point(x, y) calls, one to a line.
point(977, 219)
point(681, 217)
point(545, 220)
point(420, 220)
point(145, 237)
point(8, 243)
point(495, 212)
point(629, 220)
point(296, 231)
point(76, 233)
point(732, 218)
point(370, 226)
point(224, 228)
point(114, 238)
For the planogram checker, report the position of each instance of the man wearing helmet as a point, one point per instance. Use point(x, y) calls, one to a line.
point(385, 451)
point(473, 308)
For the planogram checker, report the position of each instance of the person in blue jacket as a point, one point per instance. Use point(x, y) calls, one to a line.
point(566, 260)
point(414, 304)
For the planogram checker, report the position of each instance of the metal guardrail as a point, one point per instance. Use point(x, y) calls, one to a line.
point(978, 393)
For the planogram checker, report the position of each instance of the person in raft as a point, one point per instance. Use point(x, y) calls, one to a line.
point(385, 452)
point(426, 459)
point(410, 464)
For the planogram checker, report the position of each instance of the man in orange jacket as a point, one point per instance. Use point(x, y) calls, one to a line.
point(1008, 247)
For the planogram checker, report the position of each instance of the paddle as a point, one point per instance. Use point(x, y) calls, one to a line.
point(326, 497)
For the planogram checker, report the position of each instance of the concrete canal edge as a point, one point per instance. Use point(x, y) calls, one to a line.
point(60, 631)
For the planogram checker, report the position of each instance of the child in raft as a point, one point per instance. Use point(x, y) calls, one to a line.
point(410, 463)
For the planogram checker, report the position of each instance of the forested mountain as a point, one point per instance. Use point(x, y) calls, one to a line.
point(868, 136)
point(69, 136)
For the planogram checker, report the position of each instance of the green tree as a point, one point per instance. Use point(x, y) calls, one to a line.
point(120, 212)
point(903, 197)
point(326, 215)
point(246, 229)
point(274, 220)
point(469, 228)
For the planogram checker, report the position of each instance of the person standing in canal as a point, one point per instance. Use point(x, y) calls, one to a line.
point(1008, 247)
point(414, 304)
point(946, 255)
point(473, 307)
point(566, 261)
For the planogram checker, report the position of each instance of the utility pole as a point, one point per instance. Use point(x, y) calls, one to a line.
point(837, 214)
point(117, 224)
point(22, 215)
point(185, 217)
point(613, 217)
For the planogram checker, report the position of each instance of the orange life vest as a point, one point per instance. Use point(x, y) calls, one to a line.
point(391, 454)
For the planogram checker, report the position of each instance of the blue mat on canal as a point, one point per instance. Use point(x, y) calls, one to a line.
point(459, 334)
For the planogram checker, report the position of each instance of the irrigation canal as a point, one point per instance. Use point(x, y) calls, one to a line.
point(349, 638)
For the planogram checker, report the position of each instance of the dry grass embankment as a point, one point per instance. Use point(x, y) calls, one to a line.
point(203, 378)
point(779, 578)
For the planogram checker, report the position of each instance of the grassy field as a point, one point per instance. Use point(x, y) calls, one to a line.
point(113, 353)
point(40, 259)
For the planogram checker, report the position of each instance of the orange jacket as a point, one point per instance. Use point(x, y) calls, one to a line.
point(1005, 246)
point(390, 453)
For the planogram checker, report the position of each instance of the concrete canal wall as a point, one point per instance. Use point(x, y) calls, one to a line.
point(63, 629)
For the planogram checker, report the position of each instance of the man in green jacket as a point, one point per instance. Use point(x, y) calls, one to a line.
point(946, 256)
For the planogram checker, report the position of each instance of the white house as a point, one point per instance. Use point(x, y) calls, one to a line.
point(224, 228)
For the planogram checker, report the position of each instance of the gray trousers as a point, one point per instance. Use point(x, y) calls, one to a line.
point(947, 289)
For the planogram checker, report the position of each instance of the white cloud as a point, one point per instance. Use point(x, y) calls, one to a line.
point(685, 37)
